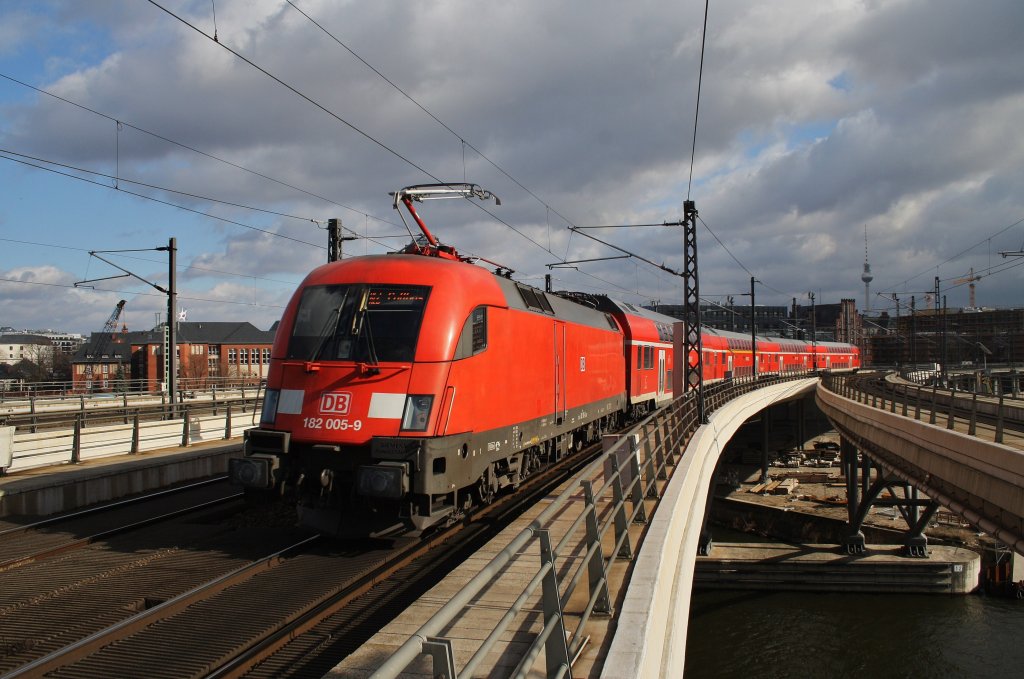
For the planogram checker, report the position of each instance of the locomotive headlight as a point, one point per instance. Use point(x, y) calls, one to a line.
point(383, 480)
point(270, 399)
point(417, 412)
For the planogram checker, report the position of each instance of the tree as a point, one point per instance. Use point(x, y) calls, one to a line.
point(61, 370)
point(29, 371)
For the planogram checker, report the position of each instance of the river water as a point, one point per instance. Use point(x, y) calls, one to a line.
point(870, 636)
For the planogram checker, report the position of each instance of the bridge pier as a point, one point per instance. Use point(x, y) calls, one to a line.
point(854, 543)
point(862, 494)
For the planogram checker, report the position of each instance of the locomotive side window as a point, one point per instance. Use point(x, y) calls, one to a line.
point(479, 320)
point(473, 339)
point(366, 323)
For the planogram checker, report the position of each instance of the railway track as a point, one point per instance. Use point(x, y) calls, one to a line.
point(294, 612)
point(28, 543)
point(876, 386)
point(69, 584)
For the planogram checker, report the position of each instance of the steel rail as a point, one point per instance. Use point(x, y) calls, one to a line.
point(102, 535)
point(84, 647)
point(107, 507)
point(333, 602)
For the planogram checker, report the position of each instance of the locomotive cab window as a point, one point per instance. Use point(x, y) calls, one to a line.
point(358, 322)
point(473, 338)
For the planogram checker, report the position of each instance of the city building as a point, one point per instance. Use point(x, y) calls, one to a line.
point(17, 347)
point(958, 337)
point(848, 323)
point(208, 353)
point(63, 342)
point(770, 320)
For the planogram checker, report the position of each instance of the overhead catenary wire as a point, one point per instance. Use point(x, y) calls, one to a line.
point(334, 115)
point(696, 114)
point(186, 194)
point(140, 294)
point(363, 133)
point(193, 149)
point(959, 254)
point(298, 93)
point(157, 200)
point(121, 124)
point(146, 197)
point(180, 267)
point(440, 122)
point(693, 148)
point(464, 143)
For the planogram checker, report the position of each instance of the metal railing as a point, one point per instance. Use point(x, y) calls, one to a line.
point(610, 494)
point(78, 435)
point(36, 412)
point(932, 403)
point(19, 389)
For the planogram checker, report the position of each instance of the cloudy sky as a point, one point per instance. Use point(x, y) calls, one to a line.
point(123, 124)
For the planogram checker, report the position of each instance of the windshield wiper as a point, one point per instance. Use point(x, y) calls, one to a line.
point(330, 328)
point(358, 322)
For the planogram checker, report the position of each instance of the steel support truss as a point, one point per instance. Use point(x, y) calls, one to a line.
point(863, 492)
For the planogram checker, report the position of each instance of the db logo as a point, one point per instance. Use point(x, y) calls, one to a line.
point(336, 403)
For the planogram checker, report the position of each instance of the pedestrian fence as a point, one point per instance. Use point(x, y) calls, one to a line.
point(137, 432)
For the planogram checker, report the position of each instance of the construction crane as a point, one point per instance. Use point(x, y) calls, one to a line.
point(969, 279)
point(109, 328)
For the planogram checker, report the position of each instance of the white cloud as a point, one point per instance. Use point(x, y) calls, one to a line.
point(815, 120)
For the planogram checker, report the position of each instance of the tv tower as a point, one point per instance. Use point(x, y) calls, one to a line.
point(866, 276)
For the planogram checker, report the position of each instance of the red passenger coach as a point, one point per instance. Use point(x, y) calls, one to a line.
point(648, 353)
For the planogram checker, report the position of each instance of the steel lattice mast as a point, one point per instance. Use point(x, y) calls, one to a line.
point(692, 354)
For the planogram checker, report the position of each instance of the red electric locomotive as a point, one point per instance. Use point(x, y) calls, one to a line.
point(404, 388)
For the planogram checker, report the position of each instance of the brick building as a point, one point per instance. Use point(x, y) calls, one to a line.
point(208, 353)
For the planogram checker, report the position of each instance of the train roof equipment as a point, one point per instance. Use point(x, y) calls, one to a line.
point(428, 244)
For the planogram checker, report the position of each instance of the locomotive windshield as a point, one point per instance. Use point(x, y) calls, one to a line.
point(363, 323)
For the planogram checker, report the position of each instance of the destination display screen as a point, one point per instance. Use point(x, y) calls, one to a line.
point(398, 297)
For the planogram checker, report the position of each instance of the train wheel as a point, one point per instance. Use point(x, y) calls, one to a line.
point(486, 486)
